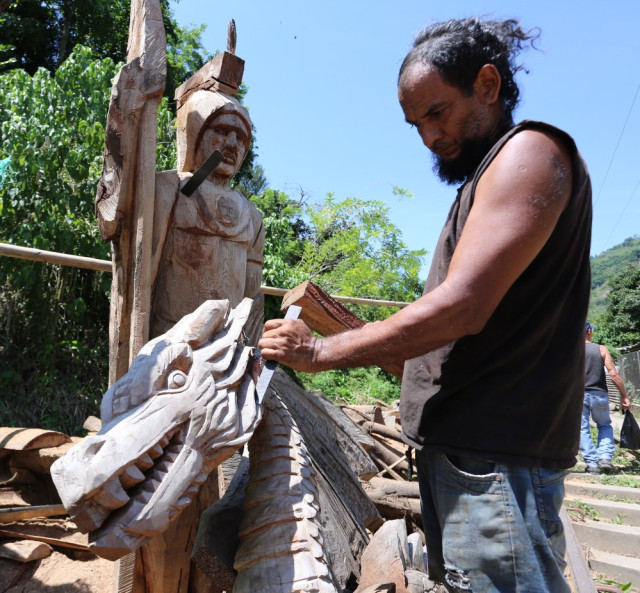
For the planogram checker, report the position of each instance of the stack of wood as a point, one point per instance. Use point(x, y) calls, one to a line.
point(37, 540)
point(393, 489)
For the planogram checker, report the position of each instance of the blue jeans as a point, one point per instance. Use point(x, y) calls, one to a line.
point(491, 527)
point(596, 404)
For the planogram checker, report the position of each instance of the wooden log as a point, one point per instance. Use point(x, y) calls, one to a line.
point(13, 514)
point(383, 430)
point(386, 487)
point(364, 411)
point(385, 559)
point(394, 504)
point(22, 439)
point(384, 467)
point(39, 461)
point(327, 316)
point(217, 537)
point(25, 550)
point(390, 458)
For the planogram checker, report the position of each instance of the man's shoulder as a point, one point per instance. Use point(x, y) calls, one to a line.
point(531, 129)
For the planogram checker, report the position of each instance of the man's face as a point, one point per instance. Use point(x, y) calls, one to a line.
point(457, 127)
point(226, 133)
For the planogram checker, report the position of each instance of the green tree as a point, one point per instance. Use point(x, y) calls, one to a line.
point(620, 323)
point(42, 34)
point(347, 247)
point(354, 249)
point(54, 320)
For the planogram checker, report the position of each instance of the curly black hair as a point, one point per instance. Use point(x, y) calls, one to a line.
point(460, 47)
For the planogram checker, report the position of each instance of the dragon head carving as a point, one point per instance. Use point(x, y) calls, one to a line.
point(187, 403)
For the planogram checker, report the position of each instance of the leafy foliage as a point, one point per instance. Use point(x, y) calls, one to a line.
point(54, 328)
point(43, 33)
point(347, 247)
point(354, 249)
point(607, 264)
point(620, 324)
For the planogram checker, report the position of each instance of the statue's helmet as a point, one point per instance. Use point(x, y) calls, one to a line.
point(202, 111)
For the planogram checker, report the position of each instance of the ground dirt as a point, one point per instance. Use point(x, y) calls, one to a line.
point(69, 572)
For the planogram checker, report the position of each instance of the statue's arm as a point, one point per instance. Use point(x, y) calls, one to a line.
point(131, 130)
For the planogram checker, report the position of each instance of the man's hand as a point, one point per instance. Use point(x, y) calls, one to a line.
point(625, 402)
point(290, 342)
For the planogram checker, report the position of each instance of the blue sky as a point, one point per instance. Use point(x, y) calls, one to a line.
point(321, 81)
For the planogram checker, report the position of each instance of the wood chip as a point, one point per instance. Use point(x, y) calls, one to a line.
point(25, 550)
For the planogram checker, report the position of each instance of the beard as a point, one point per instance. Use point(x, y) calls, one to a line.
point(457, 170)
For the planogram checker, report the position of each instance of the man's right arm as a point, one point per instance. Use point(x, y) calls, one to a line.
point(625, 402)
point(517, 204)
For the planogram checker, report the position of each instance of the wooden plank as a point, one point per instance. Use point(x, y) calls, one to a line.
point(331, 437)
point(13, 514)
point(383, 430)
point(52, 541)
point(325, 315)
point(579, 570)
point(21, 439)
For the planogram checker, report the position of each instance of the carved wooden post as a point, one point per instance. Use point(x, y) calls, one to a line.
point(126, 192)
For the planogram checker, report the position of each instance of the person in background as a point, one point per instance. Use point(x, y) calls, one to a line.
point(596, 405)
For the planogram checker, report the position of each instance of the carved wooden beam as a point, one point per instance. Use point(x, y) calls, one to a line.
point(326, 316)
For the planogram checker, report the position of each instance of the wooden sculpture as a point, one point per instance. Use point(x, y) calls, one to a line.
point(281, 541)
point(171, 252)
point(187, 403)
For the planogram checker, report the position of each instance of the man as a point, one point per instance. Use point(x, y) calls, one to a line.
point(492, 386)
point(596, 405)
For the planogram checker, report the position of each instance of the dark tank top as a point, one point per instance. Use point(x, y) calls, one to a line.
point(595, 379)
point(513, 392)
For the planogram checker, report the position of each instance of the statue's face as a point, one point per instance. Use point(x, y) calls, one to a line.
point(228, 134)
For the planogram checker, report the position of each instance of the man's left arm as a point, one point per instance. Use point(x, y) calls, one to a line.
point(625, 402)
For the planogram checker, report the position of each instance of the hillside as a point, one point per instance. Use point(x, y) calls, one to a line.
point(607, 264)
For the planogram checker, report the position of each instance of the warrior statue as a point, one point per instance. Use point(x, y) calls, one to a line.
point(171, 252)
